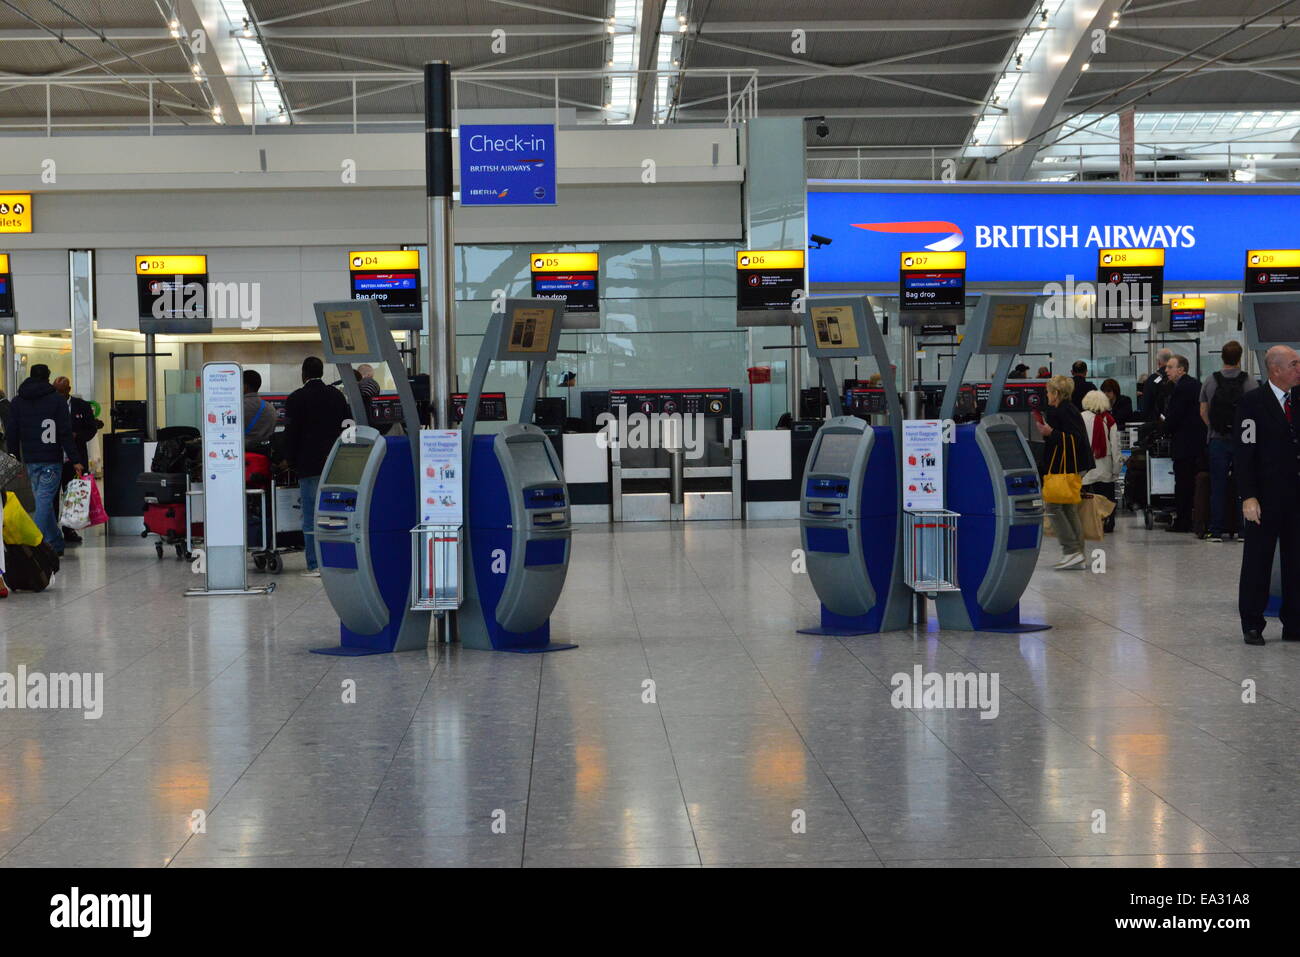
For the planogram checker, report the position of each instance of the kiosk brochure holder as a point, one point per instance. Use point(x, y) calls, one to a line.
point(367, 502)
point(518, 531)
point(992, 483)
point(849, 513)
point(1271, 319)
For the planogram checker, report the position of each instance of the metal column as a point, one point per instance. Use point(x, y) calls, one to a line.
point(441, 250)
point(81, 305)
point(150, 389)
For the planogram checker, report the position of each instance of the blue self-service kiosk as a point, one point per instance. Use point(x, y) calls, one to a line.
point(849, 509)
point(368, 498)
point(1271, 319)
point(518, 529)
point(992, 482)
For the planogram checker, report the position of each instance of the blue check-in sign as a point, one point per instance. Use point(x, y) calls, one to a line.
point(507, 165)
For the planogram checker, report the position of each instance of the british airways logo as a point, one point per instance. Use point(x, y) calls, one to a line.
point(951, 241)
point(1044, 236)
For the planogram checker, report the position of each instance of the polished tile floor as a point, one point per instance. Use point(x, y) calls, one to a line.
point(761, 746)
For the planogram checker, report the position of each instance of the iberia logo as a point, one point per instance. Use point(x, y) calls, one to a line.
point(951, 241)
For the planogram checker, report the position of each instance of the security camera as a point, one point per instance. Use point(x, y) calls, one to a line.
point(819, 241)
point(823, 130)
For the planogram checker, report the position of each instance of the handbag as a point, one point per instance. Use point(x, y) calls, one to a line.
point(9, 469)
point(98, 514)
point(75, 513)
point(1066, 487)
point(19, 529)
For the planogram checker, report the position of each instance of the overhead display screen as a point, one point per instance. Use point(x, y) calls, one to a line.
point(766, 280)
point(1130, 282)
point(932, 281)
point(1187, 315)
point(171, 287)
point(1277, 322)
point(1272, 270)
point(6, 289)
point(391, 277)
point(572, 277)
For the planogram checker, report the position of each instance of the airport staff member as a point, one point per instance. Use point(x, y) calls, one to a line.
point(1186, 431)
point(316, 414)
point(1267, 466)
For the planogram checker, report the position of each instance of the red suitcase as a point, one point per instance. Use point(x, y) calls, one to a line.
point(166, 520)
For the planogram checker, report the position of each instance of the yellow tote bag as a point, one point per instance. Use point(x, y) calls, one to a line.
point(19, 527)
point(1066, 487)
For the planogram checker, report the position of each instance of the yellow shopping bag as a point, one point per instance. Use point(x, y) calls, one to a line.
point(19, 527)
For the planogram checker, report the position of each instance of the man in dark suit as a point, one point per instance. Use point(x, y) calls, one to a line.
point(1153, 393)
point(1081, 384)
point(1267, 466)
point(316, 414)
point(1187, 437)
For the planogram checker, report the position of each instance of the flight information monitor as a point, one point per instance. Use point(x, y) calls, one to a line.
point(1187, 315)
point(1272, 270)
point(532, 330)
point(929, 283)
point(571, 277)
point(172, 293)
point(6, 289)
point(1130, 285)
point(767, 280)
point(390, 277)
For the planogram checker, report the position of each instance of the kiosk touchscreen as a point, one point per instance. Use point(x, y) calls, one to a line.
point(992, 483)
point(368, 499)
point(849, 515)
point(518, 527)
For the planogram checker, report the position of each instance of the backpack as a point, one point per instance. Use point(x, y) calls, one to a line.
point(1223, 405)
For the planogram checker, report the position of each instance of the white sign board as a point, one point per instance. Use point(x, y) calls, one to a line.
point(223, 455)
point(441, 498)
point(922, 465)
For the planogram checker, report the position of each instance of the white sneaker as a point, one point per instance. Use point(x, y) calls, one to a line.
point(311, 574)
point(1060, 562)
point(1074, 561)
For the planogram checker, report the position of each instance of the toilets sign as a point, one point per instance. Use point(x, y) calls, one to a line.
point(507, 165)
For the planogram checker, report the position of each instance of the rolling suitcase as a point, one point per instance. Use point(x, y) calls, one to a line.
point(167, 520)
point(30, 567)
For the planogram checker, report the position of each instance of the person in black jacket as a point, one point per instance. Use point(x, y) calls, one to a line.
point(1266, 462)
point(1066, 449)
point(1079, 372)
point(40, 433)
point(84, 427)
point(1121, 406)
point(1153, 394)
point(1187, 436)
point(316, 414)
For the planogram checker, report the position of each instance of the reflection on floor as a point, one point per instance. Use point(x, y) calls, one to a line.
point(759, 746)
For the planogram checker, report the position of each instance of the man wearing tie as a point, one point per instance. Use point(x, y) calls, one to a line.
point(1267, 464)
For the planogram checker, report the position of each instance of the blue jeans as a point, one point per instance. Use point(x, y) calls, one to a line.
point(307, 491)
point(1220, 468)
point(45, 477)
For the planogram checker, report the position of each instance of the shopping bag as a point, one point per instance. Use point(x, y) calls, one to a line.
point(19, 527)
point(75, 511)
point(9, 469)
point(98, 515)
point(1091, 517)
point(1064, 487)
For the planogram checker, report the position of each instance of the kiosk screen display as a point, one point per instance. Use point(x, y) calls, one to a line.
point(1007, 324)
point(349, 462)
point(836, 453)
point(1010, 452)
point(347, 332)
point(1277, 322)
point(530, 330)
point(533, 464)
point(834, 327)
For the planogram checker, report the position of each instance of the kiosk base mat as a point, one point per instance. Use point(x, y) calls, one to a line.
point(344, 651)
point(836, 632)
point(553, 646)
point(1020, 629)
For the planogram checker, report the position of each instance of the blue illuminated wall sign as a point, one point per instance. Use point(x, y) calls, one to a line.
point(1023, 236)
point(507, 165)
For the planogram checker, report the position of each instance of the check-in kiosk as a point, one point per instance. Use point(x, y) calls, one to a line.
point(849, 514)
point(992, 483)
point(368, 499)
point(1271, 319)
point(518, 526)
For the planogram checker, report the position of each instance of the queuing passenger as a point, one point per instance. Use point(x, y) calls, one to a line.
point(1066, 450)
point(1103, 435)
point(259, 415)
point(84, 427)
point(1043, 373)
point(1267, 464)
point(366, 380)
point(1220, 396)
point(1186, 432)
point(40, 433)
point(1121, 406)
point(1082, 386)
point(316, 414)
point(1153, 394)
point(1019, 372)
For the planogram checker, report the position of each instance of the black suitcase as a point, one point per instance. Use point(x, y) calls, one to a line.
point(30, 567)
point(162, 488)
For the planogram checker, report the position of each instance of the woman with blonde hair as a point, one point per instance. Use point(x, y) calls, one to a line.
point(1067, 451)
point(1103, 437)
